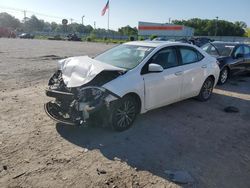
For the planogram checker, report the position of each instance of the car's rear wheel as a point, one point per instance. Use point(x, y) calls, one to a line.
point(224, 74)
point(124, 113)
point(206, 89)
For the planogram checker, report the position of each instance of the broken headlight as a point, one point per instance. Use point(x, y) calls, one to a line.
point(56, 78)
point(88, 94)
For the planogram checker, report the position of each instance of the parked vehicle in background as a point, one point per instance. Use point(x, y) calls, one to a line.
point(56, 37)
point(160, 39)
point(200, 41)
point(26, 36)
point(73, 37)
point(183, 40)
point(233, 58)
point(129, 79)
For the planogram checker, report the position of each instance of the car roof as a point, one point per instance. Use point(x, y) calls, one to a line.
point(155, 43)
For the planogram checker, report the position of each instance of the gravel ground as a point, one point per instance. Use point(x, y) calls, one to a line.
point(198, 138)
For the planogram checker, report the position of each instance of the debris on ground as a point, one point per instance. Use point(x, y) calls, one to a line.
point(101, 171)
point(179, 176)
point(5, 167)
point(19, 175)
point(85, 150)
point(117, 159)
point(231, 109)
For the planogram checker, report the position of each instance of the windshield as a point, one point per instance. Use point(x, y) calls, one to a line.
point(219, 49)
point(125, 56)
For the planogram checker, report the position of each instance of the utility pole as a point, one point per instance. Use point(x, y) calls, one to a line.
point(216, 26)
point(71, 20)
point(169, 20)
point(24, 16)
point(94, 25)
point(82, 18)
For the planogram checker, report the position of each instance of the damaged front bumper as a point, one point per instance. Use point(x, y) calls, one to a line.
point(75, 107)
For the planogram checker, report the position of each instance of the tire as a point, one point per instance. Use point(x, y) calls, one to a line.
point(224, 75)
point(206, 90)
point(124, 113)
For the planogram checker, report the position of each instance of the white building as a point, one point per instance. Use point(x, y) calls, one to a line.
point(164, 30)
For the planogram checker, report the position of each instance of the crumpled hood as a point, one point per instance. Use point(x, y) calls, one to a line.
point(77, 71)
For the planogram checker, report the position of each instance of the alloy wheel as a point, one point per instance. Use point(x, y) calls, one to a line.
point(125, 114)
point(207, 89)
point(224, 76)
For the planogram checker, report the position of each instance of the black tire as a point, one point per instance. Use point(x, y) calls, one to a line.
point(123, 113)
point(206, 90)
point(224, 75)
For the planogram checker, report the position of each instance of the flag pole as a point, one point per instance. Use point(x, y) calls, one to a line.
point(108, 15)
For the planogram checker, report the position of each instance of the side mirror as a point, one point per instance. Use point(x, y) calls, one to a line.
point(239, 56)
point(155, 68)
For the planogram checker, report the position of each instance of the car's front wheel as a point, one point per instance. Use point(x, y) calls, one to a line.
point(206, 89)
point(224, 74)
point(124, 113)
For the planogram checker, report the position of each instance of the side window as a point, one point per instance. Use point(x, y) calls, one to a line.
point(190, 55)
point(166, 58)
point(239, 50)
point(246, 50)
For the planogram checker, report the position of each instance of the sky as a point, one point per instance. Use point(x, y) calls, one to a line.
point(129, 12)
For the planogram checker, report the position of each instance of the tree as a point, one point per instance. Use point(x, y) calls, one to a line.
point(247, 34)
point(128, 31)
point(207, 27)
point(53, 25)
point(34, 24)
point(6, 20)
point(241, 24)
point(88, 29)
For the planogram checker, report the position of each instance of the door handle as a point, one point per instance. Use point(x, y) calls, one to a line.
point(204, 66)
point(178, 73)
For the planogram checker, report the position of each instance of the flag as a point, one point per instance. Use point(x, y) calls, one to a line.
point(105, 8)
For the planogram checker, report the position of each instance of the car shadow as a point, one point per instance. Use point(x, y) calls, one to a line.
point(199, 138)
point(239, 84)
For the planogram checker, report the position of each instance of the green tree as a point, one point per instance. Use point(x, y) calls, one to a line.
point(53, 26)
point(241, 24)
point(88, 29)
point(128, 31)
point(34, 24)
point(211, 27)
point(247, 34)
point(6, 20)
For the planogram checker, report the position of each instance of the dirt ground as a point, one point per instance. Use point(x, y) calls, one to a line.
point(200, 138)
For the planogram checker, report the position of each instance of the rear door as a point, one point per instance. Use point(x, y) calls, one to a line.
point(164, 87)
point(237, 65)
point(247, 57)
point(194, 67)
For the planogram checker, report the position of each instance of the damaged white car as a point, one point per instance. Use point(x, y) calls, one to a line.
point(129, 79)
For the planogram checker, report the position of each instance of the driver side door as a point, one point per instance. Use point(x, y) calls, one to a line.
point(162, 88)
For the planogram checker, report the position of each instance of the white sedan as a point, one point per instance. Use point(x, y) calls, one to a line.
point(129, 79)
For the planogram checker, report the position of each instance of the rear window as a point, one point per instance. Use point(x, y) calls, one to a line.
point(224, 49)
point(190, 55)
point(219, 49)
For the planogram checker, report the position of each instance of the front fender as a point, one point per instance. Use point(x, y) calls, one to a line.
point(128, 83)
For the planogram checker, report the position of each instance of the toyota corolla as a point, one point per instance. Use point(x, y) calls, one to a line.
point(127, 80)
